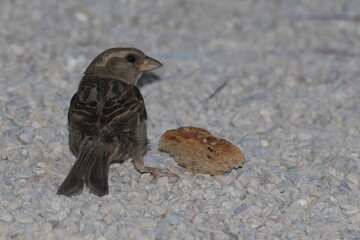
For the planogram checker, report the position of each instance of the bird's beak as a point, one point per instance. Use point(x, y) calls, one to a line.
point(149, 64)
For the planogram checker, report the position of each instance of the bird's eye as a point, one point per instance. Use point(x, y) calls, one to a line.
point(131, 58)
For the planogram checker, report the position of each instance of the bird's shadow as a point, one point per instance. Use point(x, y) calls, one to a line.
point(148, 78)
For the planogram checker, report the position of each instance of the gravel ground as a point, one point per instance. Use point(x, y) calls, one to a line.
point(290, 100)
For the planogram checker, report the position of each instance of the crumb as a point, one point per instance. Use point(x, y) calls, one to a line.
point(200, 152)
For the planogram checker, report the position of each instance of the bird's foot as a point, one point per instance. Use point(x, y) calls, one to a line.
point(157, 173)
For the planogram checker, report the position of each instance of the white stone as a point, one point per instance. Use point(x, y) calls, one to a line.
point(302, 202)
point(264, 143)
point(6, 217)
point(82, 17)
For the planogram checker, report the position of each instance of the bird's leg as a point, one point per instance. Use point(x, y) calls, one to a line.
point(155, 172)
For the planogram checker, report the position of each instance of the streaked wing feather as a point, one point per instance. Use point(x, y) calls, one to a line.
point(96, 109)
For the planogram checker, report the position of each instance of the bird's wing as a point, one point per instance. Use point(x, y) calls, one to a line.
point(106, 108)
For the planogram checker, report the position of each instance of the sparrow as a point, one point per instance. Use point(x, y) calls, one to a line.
point(107, 120)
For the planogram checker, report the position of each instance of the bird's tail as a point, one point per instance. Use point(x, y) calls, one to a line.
point(91, 167)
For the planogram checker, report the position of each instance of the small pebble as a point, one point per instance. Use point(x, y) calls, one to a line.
point(82, 17)
point(109, 219)
point(6, 217)
point(264, 143)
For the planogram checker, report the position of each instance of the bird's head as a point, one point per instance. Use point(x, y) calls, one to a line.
point(125, 64)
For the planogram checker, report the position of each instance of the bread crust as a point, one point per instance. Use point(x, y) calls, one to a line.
point(199, 151)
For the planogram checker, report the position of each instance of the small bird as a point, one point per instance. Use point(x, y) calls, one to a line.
point(106, 120)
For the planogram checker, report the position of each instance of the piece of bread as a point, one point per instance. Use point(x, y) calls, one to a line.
point(200, 152)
